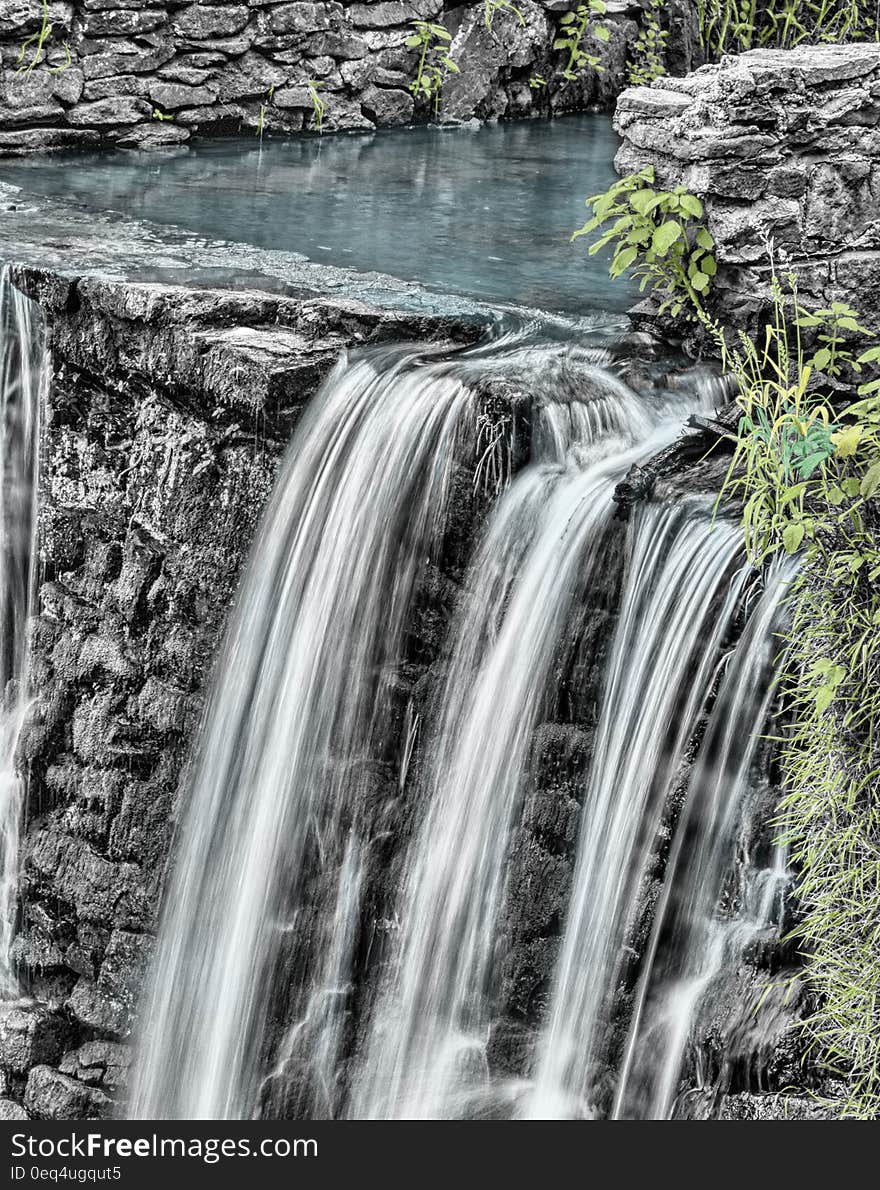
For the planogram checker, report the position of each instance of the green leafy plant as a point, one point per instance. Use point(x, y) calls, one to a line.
point(35, 46)
point(575, 27)
point(649, 52)
point(434, 62)
point(821, 501)
point(835, 355)
point(537, 81)
point(658, 236)
point(319, 106)
point(492, 7)
point(158, 114)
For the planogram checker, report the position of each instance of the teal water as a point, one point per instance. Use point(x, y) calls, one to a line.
point(485, 213)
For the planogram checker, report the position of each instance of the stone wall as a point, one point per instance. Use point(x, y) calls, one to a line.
point(785, 144)
point(168, 412)
point(211, 68)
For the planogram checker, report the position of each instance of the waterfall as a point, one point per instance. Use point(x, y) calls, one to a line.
point(23, 382)
point(693, 942)
point(425, 1057)
point(303, 703)
point(685, 581)
point(318, 767)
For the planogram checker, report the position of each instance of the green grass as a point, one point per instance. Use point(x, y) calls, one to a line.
point(732, 26)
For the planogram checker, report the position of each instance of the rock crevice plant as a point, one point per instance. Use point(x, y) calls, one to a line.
point(576, 28)
point(492, 7)
point(656, 235)
point(34, 48)
point(434, 61)
point(649, 52)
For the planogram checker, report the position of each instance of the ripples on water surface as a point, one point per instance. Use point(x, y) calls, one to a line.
point(485, 213)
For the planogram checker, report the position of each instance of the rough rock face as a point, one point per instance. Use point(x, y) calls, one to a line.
point(168, 412)
point(144, 76)
point(785, 141)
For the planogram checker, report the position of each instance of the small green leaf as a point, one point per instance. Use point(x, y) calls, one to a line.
point(792, 537)
point(665, 236)
point(824, 698)
point(846, 441)
point(644, 201)
point(871, 481)
point(691, 205)
point(623, 260)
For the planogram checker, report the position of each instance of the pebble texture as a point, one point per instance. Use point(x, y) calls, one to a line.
point(785, 143)
point(144, 75)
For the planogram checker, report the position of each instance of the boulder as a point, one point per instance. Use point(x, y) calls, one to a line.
point(30, 1034)
point(387, 107)
point(50, 1095)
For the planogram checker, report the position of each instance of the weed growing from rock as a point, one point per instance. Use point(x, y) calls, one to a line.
point(495, 6)
point(649, 53)
point(575, 28)
point(658, 236)
point(732, 26)
point(434, 61)
point(319, 106)
point(36, 47)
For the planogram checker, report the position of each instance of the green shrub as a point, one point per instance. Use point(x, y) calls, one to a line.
point(657, 236)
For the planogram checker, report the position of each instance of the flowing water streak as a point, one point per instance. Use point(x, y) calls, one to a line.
point(425, 1057)
point(681, 594)
point(299, 698)
point(315, 1043)
point(690, 946)
point(23, 383)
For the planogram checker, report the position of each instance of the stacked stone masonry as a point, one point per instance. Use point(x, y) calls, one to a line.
point(783, 147)
point(149, 74)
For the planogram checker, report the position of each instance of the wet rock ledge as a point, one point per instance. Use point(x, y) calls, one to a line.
point(779, 144)
point(168, 412)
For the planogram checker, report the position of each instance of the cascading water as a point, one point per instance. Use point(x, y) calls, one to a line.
point(426, 1055)
point(23, 379)
point(692, 943)
point(263, 998)
point(302, 703)
point(678, 606)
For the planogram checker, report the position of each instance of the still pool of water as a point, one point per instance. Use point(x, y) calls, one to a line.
point(486, 213)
